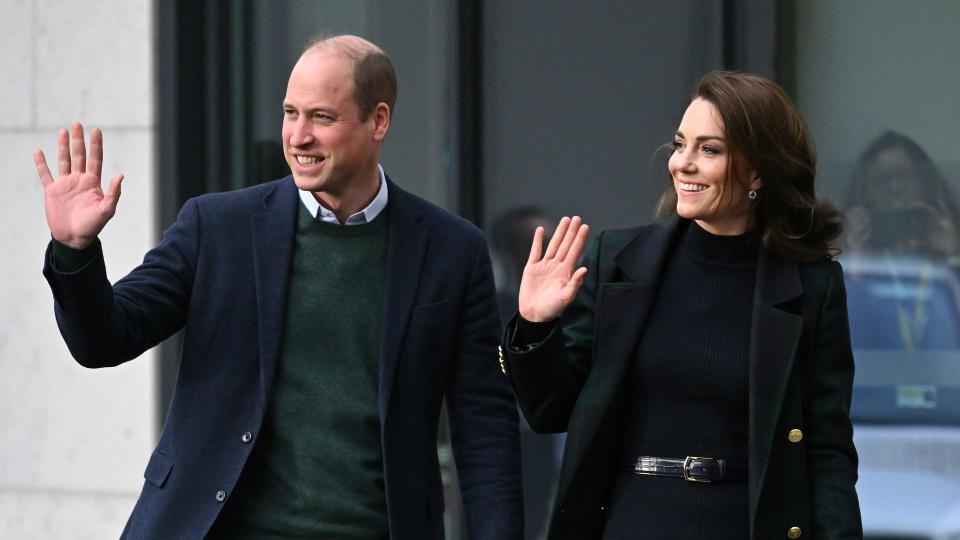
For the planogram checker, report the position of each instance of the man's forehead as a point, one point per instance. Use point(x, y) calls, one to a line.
point(321, 82)
point(328, 59)
point(330, 72)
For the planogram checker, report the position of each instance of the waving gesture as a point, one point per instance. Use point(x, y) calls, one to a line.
point(550, 282)
point(76, 206)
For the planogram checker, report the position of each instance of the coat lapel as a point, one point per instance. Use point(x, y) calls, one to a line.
point(624, 302)
point(623, 306)
point(774, 337)
point(273, 233)
point(406, 249)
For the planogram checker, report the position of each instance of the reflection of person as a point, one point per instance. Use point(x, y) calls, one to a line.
point(899, 202)
point(720, 332)
point(510, 240)
point(326, 317)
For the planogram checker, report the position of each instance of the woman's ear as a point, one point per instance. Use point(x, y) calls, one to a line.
point(755, 181)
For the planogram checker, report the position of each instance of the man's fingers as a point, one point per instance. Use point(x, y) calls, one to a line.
point(554, 244)
point(95, 163)
point(113, 192)
point(78, 155)
point(536, 247)
point(41, 162)
point(63, 152)
point(568, 238)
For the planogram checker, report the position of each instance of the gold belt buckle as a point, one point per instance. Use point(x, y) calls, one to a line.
point(688, 462)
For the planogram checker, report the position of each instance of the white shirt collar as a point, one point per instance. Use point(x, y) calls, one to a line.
point(366, 215)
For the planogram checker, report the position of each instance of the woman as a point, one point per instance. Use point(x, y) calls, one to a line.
point(703, 371)
point(899, 203)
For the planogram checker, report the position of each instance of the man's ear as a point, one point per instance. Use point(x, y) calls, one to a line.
point(381, 120)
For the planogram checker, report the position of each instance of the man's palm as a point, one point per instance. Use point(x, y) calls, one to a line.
point(76, 206)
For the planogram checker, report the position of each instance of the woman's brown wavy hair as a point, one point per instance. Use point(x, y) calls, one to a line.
point(763, 128)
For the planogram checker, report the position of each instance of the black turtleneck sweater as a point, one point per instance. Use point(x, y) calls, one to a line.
point(687, 393)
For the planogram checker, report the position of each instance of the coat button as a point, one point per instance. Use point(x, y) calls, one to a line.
point(221, 495)
point(795, 436)
point(246, 437)
point(793, 533)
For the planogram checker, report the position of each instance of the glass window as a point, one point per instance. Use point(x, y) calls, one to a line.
point(877, 82)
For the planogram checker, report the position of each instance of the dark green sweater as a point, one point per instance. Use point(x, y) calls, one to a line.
point(316, 469)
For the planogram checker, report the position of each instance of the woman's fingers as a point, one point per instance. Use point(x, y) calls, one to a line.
point(579, 241)
point(576, 280)
point(572, 232)
point(536, 247)
point(557, 238)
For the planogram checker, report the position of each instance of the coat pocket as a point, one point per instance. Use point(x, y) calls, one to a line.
point(431, 314)
point(158, 469)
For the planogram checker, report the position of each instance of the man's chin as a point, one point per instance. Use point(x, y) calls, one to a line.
point(307, 183)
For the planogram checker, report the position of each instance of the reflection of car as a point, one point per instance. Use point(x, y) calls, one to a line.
point(905, 328)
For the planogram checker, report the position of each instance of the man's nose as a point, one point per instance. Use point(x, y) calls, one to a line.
point(300, 133)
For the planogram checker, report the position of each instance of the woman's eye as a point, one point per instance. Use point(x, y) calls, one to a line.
point(711, 150)
point(677, 145)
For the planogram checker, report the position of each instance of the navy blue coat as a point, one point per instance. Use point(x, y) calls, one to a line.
point(221, 273)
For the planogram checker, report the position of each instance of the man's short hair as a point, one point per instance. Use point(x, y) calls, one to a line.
point(374, 79)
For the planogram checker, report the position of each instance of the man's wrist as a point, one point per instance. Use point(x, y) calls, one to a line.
point(70, 259)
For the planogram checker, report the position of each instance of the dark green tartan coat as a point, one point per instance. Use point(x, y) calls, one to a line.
point(801, 376)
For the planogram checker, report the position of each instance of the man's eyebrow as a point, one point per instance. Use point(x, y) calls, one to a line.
point(702, 138)
point(287, 105)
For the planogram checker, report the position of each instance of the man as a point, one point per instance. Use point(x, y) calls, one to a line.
point(326, 317)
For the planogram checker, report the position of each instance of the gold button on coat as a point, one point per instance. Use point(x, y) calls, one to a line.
point(795, 436)
point(794, 532)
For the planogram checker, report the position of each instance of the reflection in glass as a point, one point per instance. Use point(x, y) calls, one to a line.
point(903, 294)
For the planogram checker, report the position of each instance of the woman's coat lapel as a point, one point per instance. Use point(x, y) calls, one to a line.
point(622, 312)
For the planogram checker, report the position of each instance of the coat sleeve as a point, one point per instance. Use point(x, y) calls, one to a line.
point(483, 416)
point(548, 376)
point(832, 458)
point(106, 325)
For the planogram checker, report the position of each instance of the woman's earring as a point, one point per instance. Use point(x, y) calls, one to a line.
point(752, 194)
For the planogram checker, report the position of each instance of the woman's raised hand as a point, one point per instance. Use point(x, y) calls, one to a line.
point(76, 206)
point(551, 279)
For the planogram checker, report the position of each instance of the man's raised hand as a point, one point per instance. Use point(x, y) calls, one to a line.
point(551, 281)
point(76, 206)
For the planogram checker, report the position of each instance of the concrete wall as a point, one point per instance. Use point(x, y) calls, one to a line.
point(73, 442)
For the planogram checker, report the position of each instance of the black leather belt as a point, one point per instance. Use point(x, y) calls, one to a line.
point(690, 468)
